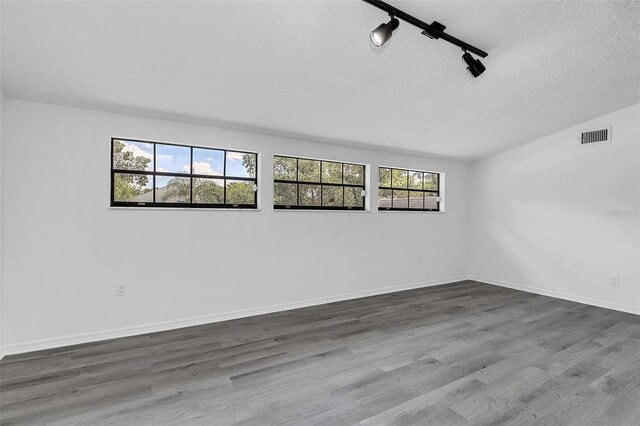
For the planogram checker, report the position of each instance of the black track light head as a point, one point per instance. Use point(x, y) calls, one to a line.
point(383, 32)
point(474, 66)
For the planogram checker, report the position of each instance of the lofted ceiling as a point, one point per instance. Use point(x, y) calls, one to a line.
point(308, 69)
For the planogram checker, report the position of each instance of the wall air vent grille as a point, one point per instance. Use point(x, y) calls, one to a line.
point(596, 136)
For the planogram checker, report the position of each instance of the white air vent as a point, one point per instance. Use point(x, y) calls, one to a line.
point(601, 135)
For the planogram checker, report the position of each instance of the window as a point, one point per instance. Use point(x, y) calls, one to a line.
point(153, 174)
point(408, 190)
point(302, 183)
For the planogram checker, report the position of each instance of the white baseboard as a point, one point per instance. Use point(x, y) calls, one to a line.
point(56, 342)
point(558, 295)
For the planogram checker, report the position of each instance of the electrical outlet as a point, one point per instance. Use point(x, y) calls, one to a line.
point(121, 289)
point(615, 281)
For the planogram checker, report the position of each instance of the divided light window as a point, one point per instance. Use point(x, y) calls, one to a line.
point(408, 190)
point(302, 183)
point(153, 174)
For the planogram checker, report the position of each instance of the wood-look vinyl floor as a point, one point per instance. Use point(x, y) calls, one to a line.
point(458, 354)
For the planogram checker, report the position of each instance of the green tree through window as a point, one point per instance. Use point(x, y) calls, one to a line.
point(151, 174)
point(127, 186)
point(408, 190)
point(303, 183)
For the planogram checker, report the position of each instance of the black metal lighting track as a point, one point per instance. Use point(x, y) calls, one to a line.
point(434, 30)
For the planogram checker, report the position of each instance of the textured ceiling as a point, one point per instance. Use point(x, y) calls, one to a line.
point(307, 68)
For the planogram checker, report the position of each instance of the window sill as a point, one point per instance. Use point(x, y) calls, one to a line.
point(184, 208)
point(409, 211)
point(321, 211)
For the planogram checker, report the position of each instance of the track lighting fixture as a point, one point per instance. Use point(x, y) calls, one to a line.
point(434, 31)
point(383, 32)
point(475, 67)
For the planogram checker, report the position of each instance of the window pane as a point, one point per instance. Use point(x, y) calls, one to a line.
point(430, 201)
point(431, 181)
point(284, 168)
point(208, 162)
point(174, 159)
point(172, 183)
point(353, 197)
point(285, 194)
point(307, 192)
point(208, 191)
point(399, 178)
point(310, 194)
point(400, 200)
point(133, 188)
point(332, 196)
point(416, 199)
point(408, 189)
point(331, 172)
point(353, 174)
point(129, 155)
point(415, 180)
point(250, 162)
point(384, 198)
point(241, 164)
point(170, 189)
point(239, 192)
point(308, 171)
point(385, 177)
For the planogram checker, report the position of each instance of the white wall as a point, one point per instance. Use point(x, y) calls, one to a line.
point(558, 218)
point(1, 214)
point(1, 200)
point(65, 248)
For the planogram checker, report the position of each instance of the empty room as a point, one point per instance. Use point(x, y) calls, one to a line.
point(319, 212)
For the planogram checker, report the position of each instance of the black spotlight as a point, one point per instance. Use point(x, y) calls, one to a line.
point(474, 67)
point(383, 33)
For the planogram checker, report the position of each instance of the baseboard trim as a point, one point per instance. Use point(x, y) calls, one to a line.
point(558, 295)
point(57, 342)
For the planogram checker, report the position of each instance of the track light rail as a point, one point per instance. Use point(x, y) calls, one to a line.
point(434, 30)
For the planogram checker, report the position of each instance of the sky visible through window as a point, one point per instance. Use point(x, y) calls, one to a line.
point(213, 177)
point(176, 159)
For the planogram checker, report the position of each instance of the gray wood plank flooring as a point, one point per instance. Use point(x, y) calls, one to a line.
point(457, 354)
